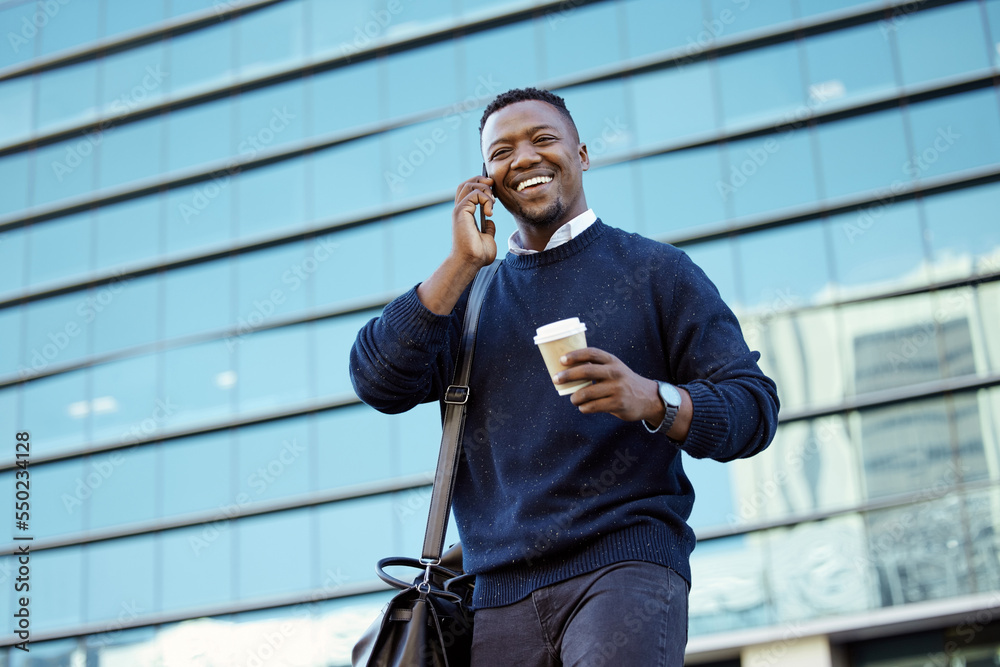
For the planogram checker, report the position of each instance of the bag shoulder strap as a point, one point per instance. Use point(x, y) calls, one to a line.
point(455, 400)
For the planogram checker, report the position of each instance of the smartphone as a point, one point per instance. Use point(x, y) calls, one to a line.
point(482, 209)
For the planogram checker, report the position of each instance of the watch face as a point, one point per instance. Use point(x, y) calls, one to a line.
point(670, 394)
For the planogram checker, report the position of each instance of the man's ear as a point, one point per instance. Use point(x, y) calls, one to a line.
point(584, 157)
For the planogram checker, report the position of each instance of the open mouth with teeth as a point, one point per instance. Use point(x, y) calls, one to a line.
point(532, 182)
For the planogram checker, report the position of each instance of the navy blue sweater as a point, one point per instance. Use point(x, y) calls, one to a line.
point(543, 492)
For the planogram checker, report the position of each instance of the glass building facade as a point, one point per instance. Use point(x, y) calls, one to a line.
point(201, 202)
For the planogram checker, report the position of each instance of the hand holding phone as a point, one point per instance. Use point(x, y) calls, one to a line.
point(482, 208)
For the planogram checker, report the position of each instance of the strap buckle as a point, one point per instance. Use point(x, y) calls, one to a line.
point(456, 394)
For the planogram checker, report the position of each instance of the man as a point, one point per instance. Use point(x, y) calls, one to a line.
point(572, 510)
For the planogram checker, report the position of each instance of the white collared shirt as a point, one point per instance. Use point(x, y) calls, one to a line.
point(566, 232)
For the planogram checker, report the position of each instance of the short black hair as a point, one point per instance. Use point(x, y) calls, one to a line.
point(523, 95)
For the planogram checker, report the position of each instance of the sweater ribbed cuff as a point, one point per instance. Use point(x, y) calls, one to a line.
point(709, 424)
point(414, 322)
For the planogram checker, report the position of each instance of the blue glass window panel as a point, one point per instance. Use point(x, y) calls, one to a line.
point(482, 76)
point(654, 26)
point(181, 7)
point(59, 248)
point(993, 17)
point(8, 571)
point(566, 52)
point(135, 78)
point(422, 159)
point(955, 133)
point(879, 247)
point(10, 340)
point(408, 86)
point(135, 645)
point(125, 15)
point(199, 134)
point(265, 570)
point(201, 59)
point(812, 7)
point(354, 445)
point(674, 103)
point(718, 260)
point(272, 198)
point(778, 172)
point(14, 171)
point(843, 143)
point(128, 493)
point(18, 27)
point(265, 280)
point(956, 27)
point(680, 190)
point(349, 178)
point(57, 329)
point(270, 117)
point(761, 86)
point(125, 405)
point(963, 229)
point(418, 243)
point(339, 28)
point(203, 487)
point(374, 518)
point(201, 379)
point(65, 169)
point(610, 194)
point(788, 263)
point(343, 98)
point(730, 17)
point(57, 598)
point(273, 460)
point(600, 114)
point(334, 339)
point(131, 316)
point(12, 254)
point(713, 487)
point(128, 232)
point(122, 570)
point(200, 216)
point(848, 66)
point(16, 110)
point(69, 488)
point(419, 434)
point(196, 571)
point(71, 24)
point(273, 368)
point(356, 253)
point(131, 152)
point(197, 298)
point(410, 509)
point(270, 38)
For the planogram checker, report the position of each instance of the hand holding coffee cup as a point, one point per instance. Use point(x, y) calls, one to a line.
point(556, 339)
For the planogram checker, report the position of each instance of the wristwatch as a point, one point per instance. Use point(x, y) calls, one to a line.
point(671, 398)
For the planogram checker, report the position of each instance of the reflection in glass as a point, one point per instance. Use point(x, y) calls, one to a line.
point(731, 593)
point(206, 486)
point(959, 31)
point(275, 553)
point(763, 85)
point(56, 582)
point(963, 232)
point(124, 405)
point(128, 232)
point(270, 38)
point(57, 410)
point(59, 248)
point(565, 53)
point(131, 647)
point(848, 66)
point(784, 267)
point(272, 368)
point(200, 380)
point(659, 115)
point(955, 133)
point(197, 565)
point(123, 570)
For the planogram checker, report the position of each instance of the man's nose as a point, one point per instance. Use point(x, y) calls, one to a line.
point(525, 156)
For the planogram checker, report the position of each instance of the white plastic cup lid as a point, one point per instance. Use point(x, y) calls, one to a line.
point(560, 329)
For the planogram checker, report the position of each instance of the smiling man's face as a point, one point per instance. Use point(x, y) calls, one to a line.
point(535, 158)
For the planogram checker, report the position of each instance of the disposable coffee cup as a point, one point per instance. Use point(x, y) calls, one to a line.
point(556, 339)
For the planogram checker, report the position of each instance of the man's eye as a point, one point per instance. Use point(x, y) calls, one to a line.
point(544, 139)
point(499, 154)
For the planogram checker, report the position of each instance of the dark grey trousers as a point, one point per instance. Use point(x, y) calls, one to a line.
point(630, 613)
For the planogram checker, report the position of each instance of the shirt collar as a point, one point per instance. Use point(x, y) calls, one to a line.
point(565, 233)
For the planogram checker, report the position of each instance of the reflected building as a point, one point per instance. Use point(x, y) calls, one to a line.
point(201, 202)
